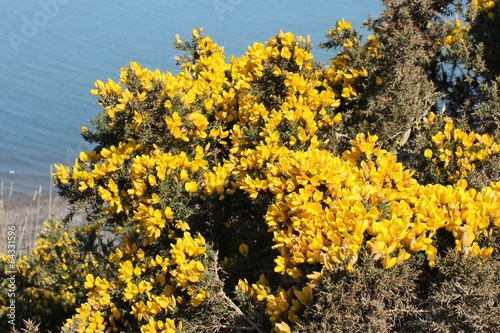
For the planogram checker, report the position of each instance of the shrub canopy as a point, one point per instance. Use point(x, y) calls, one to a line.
point(235, 191)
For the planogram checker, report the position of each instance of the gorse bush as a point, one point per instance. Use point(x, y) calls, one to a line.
point(274, 193)
point(49, 283)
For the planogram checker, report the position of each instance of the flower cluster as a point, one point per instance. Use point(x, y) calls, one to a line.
point(50, 281)
point(327, 208)
point(456, 33)
point(341, 68)
point(168, 141)
point(485, 6)
point(171, 283)
point(171, 148)
point(456, 152)
point(343, 30)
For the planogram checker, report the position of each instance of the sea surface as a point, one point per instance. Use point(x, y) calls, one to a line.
point(52, 51)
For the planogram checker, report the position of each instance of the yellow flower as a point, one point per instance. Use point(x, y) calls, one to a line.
point(285, 53)
point(150, 327)
point(130, 292)
point(168, 105)
point(177, 39)
point(169, 214)
point(62, 173)
point(126, 271)
point(338, 118)
point(191, 186)
point(389, 261)
point(197, 299)
point(276, 71)
point(343, 25)
point(280, 264)
point(89, 282)
point(244, 287)
point(137, 120)
point(196, 33)
point(305, 296)
point(428, 154)
point(260, 292)
point(145, 287)
point(243, 248)
point(139, 309)
point(282, 327)
point(438, 138)
point(348, 43)
point(431, 118)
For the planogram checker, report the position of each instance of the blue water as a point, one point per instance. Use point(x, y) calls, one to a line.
point(52, 51)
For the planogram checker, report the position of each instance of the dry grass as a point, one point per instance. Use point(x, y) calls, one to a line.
point(27, 216)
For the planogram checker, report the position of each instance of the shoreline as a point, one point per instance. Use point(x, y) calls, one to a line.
point(27, 217)
point(15, 191)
